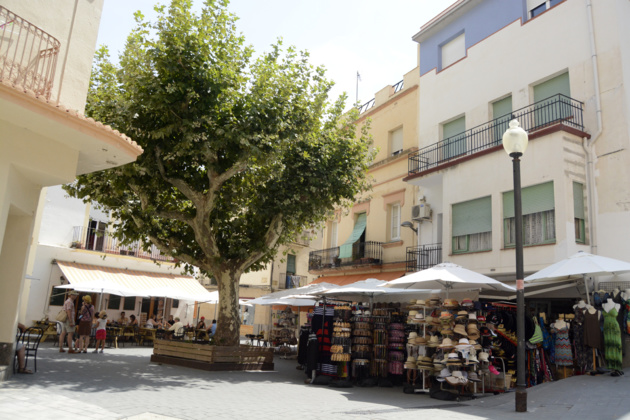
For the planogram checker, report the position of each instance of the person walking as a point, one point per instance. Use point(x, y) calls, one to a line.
point(68, 327)
point(101, 331)
point(85, 323)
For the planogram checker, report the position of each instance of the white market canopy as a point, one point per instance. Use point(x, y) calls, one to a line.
point(448, 276)
point(369, 289)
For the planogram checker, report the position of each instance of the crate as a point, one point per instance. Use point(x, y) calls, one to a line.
point(212, 354)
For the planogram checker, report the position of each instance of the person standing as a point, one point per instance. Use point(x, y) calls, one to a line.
point(68, 327)
point(101, 331)
point(85, 323)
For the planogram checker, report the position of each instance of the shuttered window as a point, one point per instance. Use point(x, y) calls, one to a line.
point(538, 215)
point(472, 225)
point(578, 212)
point(454, 138)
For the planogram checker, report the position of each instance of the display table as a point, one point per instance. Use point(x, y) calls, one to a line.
point(215, 358)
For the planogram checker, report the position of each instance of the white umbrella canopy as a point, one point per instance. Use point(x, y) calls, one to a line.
point(282, 301)
point(579, 265)
point(213, 297)
point(448, 276)
point(369, 288)
point(309, 289)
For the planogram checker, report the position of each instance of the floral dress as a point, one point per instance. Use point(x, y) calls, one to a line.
point(612, 340)
point(564, 356)
point(581, 353)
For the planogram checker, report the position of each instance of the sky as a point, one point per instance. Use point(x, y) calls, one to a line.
point(371, 37)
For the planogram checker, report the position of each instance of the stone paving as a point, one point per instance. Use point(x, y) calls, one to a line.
point(123, 384)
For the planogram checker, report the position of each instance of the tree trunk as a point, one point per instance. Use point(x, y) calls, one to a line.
point(229, 322)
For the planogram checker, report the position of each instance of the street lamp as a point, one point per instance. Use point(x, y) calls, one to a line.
point(515, 142)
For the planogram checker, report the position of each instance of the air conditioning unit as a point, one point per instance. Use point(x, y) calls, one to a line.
point(421, 212)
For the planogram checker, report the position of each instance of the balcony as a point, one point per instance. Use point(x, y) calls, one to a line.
point(93, 239)
point(28, 55)
point(557, 109)
point(363, 253)
point(423, 256)
point(291, 281)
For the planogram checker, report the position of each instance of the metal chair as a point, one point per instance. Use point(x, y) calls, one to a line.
point(30, 339)
point(179, 334)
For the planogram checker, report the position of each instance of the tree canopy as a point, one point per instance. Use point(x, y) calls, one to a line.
point(241, 154)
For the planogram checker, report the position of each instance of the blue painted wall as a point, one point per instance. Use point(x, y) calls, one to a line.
point(479, 23)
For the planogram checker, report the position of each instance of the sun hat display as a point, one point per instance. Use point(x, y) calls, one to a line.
point(412, 337)
point(434, 341)
point(425, 363)
point(419, 318)
point(467, 303)
point(472, 331)
point(463, 344)
point(444, 373)
point(459, 329)
point(462, 314)
point(453, 359)
point(457, 378)
point(410, 363)
point(434, 300)
point(483, 356)
point(475, 345)
point(412, 313)
point(420, 341)
point(446, 344)
point(472, 317)
point(446, 316)
point(419, 303)
point(450, 303)
point(472, 358)
point(447, 332)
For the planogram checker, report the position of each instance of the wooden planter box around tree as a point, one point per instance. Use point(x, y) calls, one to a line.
point(207, 357)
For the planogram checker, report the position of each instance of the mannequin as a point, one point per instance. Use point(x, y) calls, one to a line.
point(581, 304)
point(612, 337)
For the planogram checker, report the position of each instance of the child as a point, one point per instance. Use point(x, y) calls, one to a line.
point(101, 332)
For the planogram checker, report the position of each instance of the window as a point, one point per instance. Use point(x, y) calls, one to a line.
point(129, 303)
point(454, 138)
point(539, 223)
point(472, 226)
point(548, 96)
point(396, 141)
point(578, 212)
point(175, 303)
point(536, 7)
point(501, 114)
point(394, 220)
point(57, 297)
point(114, 302)
point(452, 51)
point(333, 234)
point(291, 264)
point(95, 236)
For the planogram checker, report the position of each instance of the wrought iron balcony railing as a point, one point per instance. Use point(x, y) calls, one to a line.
point(363, 253)
point(99, 240)
point(423, 256)
point(557, 109)
point(28, 55)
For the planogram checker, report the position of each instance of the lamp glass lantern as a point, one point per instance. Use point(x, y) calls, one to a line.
point(515, 139)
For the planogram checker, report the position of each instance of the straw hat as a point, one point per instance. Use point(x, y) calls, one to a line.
point(453, 360)
point(420, 303)
point(433, 341)
point(463, 344)
point(421, 341)
point(87, 299)
point(457, 378)
point(483, 356)
point(450, 303)
point(446, 316)
point(446, 344)
point(419, 319)
point(472, 359)
point(459, 329)
point(447, 332)
point(473, 332)
point(475, 345)
point(444, 373)
point(472, 317)
point(412, 337)
point(412, 313)
point(462, 314)
point(410, 363)
point(472, 376)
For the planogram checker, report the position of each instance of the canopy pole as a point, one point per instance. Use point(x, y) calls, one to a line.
point(588, 299)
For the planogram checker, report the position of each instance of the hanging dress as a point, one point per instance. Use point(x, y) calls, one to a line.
point(612, 340)
point(592, 331)
point(564, 356)
point(582, 354)
point(627, 316)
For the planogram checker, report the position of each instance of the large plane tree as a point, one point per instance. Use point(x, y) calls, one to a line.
point(241, 154)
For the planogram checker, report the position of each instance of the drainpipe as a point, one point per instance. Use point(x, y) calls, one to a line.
point(588, 145)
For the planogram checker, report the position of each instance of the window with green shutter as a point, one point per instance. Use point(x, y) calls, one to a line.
point(550, 98)
point(472, 226)
point(539, 224)
point(454, 138)
point(578, 212)
point(501, 114)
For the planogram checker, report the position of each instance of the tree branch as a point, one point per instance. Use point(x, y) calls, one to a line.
point(272, 235)
point(183, 187)
point(144, 204)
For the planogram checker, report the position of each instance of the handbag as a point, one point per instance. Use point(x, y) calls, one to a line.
point(538, 334)
point(62, 316)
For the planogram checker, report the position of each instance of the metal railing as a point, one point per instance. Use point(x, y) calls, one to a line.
point(363, 253)
point(421, 257)
point(291, 281)
point(557, 109)
point(399, 86)
point(99, 240)
point(28, 55)
point(369, 104)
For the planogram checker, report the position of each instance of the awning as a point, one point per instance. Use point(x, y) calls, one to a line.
point(131, 279)
point(345, 250)
point(351, 278)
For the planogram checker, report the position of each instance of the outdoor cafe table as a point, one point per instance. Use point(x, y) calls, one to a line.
point(148, 334)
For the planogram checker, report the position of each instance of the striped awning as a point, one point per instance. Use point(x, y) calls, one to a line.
point(140, 281)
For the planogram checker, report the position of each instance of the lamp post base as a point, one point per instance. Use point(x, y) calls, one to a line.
point(521, 399)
